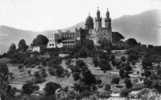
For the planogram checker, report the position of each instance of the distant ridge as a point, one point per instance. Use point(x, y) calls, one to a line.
point(144, 26)
point(10, 35)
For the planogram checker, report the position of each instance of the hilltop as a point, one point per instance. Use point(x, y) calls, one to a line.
point(143, 27)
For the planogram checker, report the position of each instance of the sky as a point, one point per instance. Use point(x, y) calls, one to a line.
point(40, 15)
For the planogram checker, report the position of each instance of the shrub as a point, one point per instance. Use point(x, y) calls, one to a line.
point(29, 88)
point(51, 87)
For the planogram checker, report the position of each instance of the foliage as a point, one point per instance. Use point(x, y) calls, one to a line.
point(95, 61)
point(147, 62)
point(107, 87)
point(133, 54)
point(22, 46)
point(148, 83)
point(29, 88)
point(116, 36)
point(39, 78)
point(4, 84)
point(115, 80)
point(4, 72)
point(128, 83)
point(131, 42)
point(54, 61)
point(51, 87)
point(158, 86)
point(86, 79)
point(40, 40)
point(12, 49)
point(29, 61)
point(84, 48)
point(124, 93)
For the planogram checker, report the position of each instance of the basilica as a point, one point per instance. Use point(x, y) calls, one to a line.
point(93, 27)
point(97, 30)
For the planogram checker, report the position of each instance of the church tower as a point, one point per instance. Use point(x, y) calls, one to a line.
point(89, 24)
point(108, 20)
point(108, 24)
point(98, 21)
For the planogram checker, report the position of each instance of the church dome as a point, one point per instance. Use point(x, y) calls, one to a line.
point(89, 23)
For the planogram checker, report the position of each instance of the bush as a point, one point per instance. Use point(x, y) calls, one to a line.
point(52, 71)
point(115, 80)
point(29, 88)
point(38, 77)
point(107, 87)
point(51, 87)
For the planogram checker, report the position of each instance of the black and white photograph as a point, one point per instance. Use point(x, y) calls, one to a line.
point(80, 49)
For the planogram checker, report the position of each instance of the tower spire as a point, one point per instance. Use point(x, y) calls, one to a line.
point(107, 13)
point(98, 13)
point(98, 20)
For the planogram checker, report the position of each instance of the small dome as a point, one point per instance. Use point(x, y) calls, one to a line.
point(89, 22)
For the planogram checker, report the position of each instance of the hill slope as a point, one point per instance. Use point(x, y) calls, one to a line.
point(144, 26)
point(10, 35)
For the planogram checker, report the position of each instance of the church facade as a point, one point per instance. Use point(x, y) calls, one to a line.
point(95, 29)
point(98, 31)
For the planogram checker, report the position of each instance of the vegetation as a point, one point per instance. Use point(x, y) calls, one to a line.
point(29, 88)
point(22, 46)
point(51, 87)
point(85, 83)
point(40, 40)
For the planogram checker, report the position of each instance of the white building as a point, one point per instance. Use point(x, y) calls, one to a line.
point(52, 40)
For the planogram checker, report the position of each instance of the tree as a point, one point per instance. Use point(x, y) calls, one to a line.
point(88, 78)
point(4, 73)
point(38, 77)
point(107, 87)
point(148, 83)
point(124, 93)
point(157, 86)
point(115, 80)
point(12, 48)
point(40, 40)
point(95, 61)
point(128, 83)
point(131, 42)
point(123, 58)
point(133, 54)
point(22, 45)
point(54, 61)
point(147, 62)
point(29, 88)
point(51, 87)
point(116, 36)
point(76, 76)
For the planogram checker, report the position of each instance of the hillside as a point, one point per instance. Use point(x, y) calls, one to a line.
point(144, 26)
point(10, 35)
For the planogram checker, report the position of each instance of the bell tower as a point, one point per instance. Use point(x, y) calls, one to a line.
point(108, 20)
point(98, 21)
point(108, 25)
